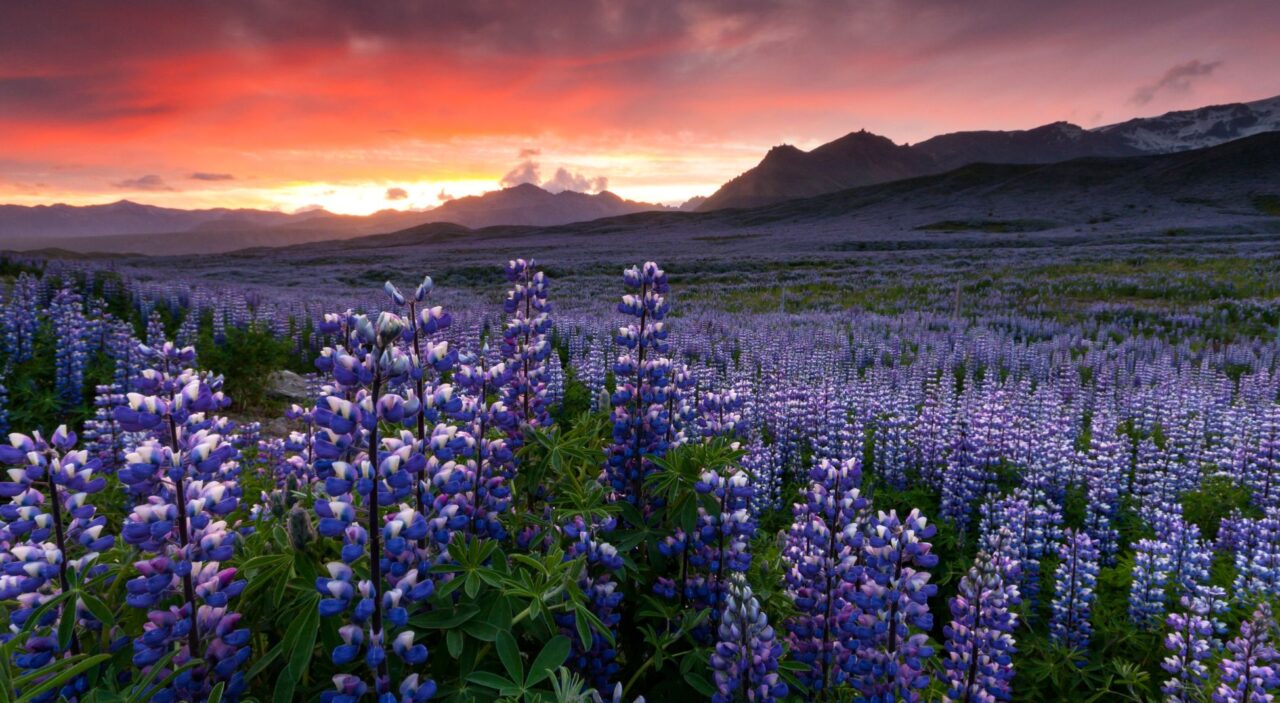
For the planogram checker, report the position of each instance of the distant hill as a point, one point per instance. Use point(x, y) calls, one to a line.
point(862, 158)
point(528, 204)
point(1219, 189)
point(1224, 198)
point(121, 217)
point(128, 227)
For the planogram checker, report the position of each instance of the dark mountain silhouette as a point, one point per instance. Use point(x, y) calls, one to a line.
point(121, 217)
point(862, 158)
point(528, 204)
point(1225, 187)
point(132, 227)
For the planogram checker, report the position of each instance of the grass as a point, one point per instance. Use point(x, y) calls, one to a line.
point(992, 226)
point(1267, 204)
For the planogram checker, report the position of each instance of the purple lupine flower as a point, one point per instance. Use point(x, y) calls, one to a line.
point(640, 417)
point(1073, 598)
point(386, 471)
point(596, 662)
point(893, 600)
point(745, 660)
point(526, 347)
point(186, 484)
point(1150, 577)
point(1188, 642)
point(718, 544)
point(33, 571)
point(1262, 466)
point(824, 563)
point(1257, 556)
point(979, 639)
point(1252, 668)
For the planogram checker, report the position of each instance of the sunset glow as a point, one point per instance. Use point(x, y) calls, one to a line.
point(286, 106)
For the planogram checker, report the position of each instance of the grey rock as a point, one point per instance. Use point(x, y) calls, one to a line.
point(288, 385)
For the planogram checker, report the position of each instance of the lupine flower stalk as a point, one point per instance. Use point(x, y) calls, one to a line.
point(745, 660)
point(1074, 595)
point(1251, 669)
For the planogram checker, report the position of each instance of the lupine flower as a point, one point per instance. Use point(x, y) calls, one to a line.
point(893, 599)
point(184, 484)
point(1150, 577)
point(1252, 668)
point(1073, 594)
point(823, 552)
point(1257, 556)
point(525, 347)
point(979, 639)
point(387, 471)
point(640, 416)
point(1188, 642)
point(745, 660)
point(34, 571)
point(597, 662)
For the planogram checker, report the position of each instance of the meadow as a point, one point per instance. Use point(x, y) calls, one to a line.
point(856, 476)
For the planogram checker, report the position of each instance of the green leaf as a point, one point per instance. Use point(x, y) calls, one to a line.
point(66, 627)
point(699, 683)
point(549, 659)
point(300, 645)
point(98, 608)
point(584, 630)
point(215, 696)
point(442, 619)
point(264, 661)
point(509, 653)
point(453, 642)
point(299, 641)
point(489, 679)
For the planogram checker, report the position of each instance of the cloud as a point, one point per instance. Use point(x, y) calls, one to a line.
point(564, 180)
point(1176, 80)
point(529, 153)
point(526, 172)
point(203, 176)
point(397, 194)
point(530, 171)
point(444, 197)
point(147, 182)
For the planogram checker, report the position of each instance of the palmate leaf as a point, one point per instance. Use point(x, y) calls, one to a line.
point(509, 654)
point(553, 654)
point(299, 643)
point(488, 679)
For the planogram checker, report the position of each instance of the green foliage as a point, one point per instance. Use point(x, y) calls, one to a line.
point(246, 358)
point(1217, 497)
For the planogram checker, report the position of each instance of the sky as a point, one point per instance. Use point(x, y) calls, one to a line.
point(363, 106)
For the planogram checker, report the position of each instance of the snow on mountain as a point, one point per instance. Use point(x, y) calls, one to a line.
point(1199, 128)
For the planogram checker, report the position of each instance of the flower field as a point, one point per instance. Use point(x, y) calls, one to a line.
point(612, 493)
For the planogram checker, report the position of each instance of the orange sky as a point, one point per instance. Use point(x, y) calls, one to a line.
point(362, 106)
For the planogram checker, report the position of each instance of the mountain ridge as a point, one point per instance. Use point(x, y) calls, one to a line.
point(787, 172)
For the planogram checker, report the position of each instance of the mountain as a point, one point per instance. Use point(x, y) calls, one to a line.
point(125, 226)
point(692, 203)
point(124, 216)
point(1220, 199)
point(1193, 129)
point(530, 205)
point(862, 158)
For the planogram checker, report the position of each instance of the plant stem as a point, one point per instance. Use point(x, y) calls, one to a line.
point(61, 539)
